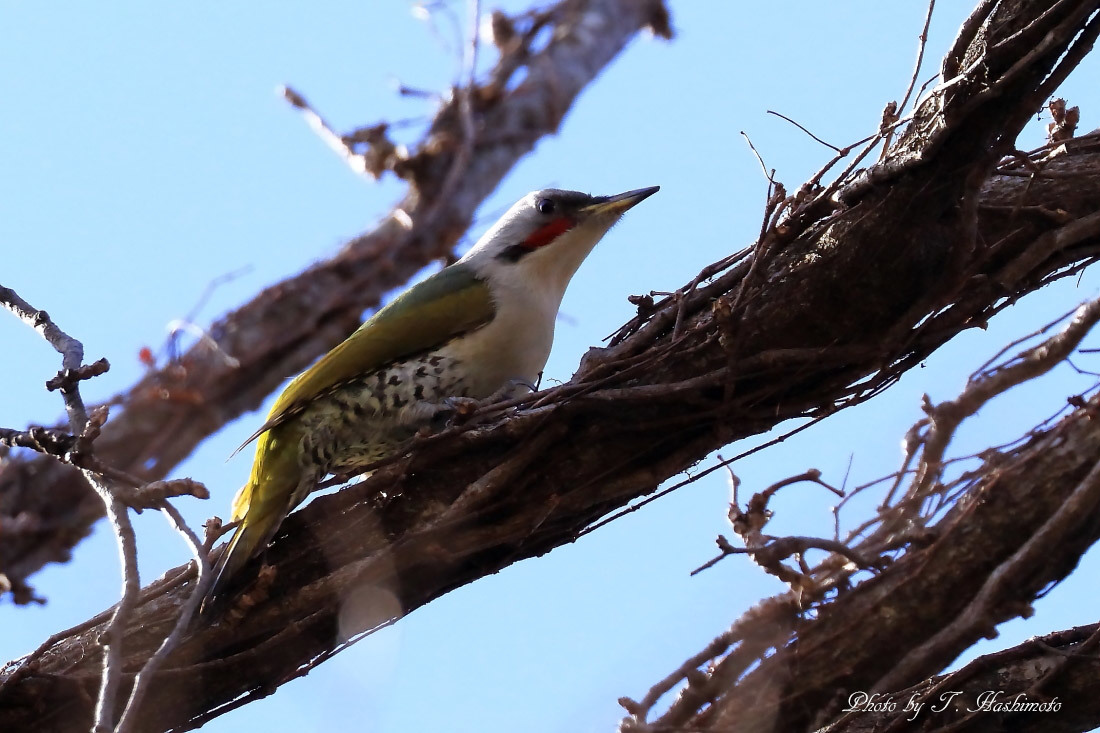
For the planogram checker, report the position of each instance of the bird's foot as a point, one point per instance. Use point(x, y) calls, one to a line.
point(450, 411)
point(460, 407)
point(457, 410)
point(514, 388)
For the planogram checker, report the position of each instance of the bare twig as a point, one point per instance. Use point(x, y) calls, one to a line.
point(464, 97)
point(67, 380)
point(175, 327)
point(692, 479)
point(813, 476)
point(895, 111)
point(946, 417)
point(769, 175)
point(801, 127)
point(128, 720)
point(71, 350)
point(639, 710)
point(1022, 339)
point(920, 56)
point(317, 123)
point(77, 449)
point(115, 632)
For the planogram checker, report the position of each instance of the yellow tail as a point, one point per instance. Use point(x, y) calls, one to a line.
point(250, 537)
point(260, 506)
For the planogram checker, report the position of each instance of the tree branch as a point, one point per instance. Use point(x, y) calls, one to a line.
point(1056, 671)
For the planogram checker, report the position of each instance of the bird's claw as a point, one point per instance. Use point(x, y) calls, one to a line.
point(457, 410)
point(461, 406)
point(509, 390)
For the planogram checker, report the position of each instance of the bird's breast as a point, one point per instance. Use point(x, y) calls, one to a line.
point(514, 346)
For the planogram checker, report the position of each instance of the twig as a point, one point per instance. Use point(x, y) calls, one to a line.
point(47, 441)
point(764, 168)
point(426, 11)
point(894, 111)
point(128, 720)
point(640, 710)
point(776, 549)
point(464, 97)
point(914, 439)
point(734, 480)
point(317, 123)
point(946, 417)
point(981, 370)
point(920, 55)
point(211, 287)
point(800, 127)
point(67, 381)
point(187, 323)
point(781, 548)
point(71, 350)
point(79, 452)
point(115, 632)
point(813, 476)
point(155, 495)
point(682, 296)
point(727, 550)
point(201, 335)
point(692, 479)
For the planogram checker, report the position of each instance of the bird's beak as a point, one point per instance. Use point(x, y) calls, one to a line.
point(616, 205)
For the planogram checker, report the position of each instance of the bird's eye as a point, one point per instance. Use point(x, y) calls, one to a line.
point(545, 206)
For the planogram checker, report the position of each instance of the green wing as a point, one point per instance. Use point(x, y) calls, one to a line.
point(430, 313)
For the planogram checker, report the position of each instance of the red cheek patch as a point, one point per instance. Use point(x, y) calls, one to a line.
point(547, 233)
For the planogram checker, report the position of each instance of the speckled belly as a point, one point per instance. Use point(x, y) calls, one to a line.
point(365, 420)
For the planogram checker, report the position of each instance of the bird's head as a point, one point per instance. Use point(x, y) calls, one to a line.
point(544, 237)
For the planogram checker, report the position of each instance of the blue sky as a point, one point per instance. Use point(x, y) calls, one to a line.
point(145, 152)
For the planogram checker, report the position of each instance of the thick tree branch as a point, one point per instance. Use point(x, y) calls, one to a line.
point(1055, 673)
point(287, 326)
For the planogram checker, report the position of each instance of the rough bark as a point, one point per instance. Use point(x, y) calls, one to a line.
point(46, 508)
point(833, 304)
point(1058, 669)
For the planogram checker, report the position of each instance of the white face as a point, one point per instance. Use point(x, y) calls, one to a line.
point(543, 239)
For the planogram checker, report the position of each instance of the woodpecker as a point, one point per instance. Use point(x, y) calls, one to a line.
point(479, 328)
